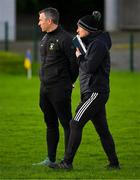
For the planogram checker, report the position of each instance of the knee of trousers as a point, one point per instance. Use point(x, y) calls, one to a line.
point(52, 126)
point(65, 123)
point(75, 125)
point(105, 134)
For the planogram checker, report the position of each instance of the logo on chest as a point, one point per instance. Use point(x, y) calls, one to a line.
point(54, 46)
point(51, 46)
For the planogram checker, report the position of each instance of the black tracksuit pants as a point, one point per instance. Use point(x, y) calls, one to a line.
point(91, 108)
point(55, 104)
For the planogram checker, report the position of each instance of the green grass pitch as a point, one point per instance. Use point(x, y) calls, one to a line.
point(22, 131)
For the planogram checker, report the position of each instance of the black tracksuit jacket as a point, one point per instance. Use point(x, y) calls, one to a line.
point(58, 61)
point(94, 67)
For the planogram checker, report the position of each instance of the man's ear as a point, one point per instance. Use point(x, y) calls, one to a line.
point(50, 21)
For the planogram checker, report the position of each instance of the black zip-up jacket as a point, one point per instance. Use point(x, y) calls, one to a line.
point(94, 67)
point(58, 61)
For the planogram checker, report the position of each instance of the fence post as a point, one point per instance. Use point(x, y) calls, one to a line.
point(131, 52)
point(6, 27)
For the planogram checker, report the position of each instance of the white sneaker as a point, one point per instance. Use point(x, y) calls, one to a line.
point(46, 162)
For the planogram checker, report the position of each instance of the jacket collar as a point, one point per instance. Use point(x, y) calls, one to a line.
point(55, 31)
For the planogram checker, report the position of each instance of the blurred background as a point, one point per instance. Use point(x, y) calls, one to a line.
point(19, 29)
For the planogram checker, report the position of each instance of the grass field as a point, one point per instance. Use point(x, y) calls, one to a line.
point(22, 132)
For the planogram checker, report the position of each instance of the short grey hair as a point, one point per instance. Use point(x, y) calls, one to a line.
point(51, 13)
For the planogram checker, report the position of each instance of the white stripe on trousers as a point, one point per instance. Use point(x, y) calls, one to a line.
point(85, 106)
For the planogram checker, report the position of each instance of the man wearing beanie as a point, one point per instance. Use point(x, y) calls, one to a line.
point(94, 70)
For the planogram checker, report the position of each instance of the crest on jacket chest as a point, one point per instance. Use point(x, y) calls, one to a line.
point(51, 46)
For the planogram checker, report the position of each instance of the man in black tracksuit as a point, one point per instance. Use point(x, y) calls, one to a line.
point(58, 72)
point(94, 69)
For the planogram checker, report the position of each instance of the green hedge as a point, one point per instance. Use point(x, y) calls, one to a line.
point(13, 63)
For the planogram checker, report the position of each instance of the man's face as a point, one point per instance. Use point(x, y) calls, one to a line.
point(44, 23)
point(82, 32)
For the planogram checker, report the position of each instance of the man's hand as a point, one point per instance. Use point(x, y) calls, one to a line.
point(77, 53)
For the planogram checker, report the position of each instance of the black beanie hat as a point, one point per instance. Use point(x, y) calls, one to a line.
point(90, 22)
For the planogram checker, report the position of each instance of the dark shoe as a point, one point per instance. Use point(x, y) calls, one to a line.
point(113, 167)
point(64, 165)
